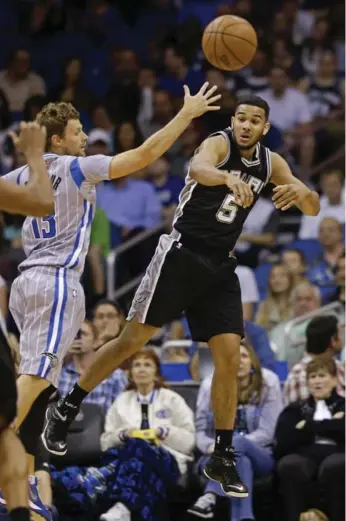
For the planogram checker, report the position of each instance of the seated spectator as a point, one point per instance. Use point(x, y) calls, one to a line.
point(167, 187)
point(33, 106)
point(221, 118)
point(259, 232)
point(310, 445)
point(18, 82)
point(127, 136)
point(306, 298)
point(315, 46)
point(323, 272)
point(82, 352)
point(300, 21)
point(101, 120)
point(294, 261)
point(290, 113)
point(188, 142)
point(277, 307)
point(177, 74)
point(3, 297)
point(108, 321)
point(332, 202)
point(259, 405)
point(340, 281)
point(72, 89)
point(256, 78)
point(249, 291)
point(322, 337)
point(144, 470)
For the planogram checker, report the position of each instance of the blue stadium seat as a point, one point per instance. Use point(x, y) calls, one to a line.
point(311, 249)
point(262, 275)
point(176, 372)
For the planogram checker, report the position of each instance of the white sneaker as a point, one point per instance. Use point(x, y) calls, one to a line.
point(204, 506)
point(118, 512)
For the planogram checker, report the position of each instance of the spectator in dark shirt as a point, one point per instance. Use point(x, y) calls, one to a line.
point(72, 89)
point(189, 142)
point(310, 445)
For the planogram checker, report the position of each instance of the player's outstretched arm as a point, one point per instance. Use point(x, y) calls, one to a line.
point(157, 144)
point(290, 191)
point(36, 198)
point(212, 152)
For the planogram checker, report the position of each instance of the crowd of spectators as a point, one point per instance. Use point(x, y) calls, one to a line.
point(123, 65)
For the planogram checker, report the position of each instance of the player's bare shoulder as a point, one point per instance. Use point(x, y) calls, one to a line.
point(213, 150)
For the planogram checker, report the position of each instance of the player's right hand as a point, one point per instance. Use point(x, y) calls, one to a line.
point(243, 194)
point(31, 139)
point(202, 102)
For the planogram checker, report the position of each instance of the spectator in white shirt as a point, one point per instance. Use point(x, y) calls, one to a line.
point(290, 113)
point(249, 290)
point(332, 204)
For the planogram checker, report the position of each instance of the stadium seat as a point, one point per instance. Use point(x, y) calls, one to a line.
point(83, 441)
point(189, 391)
point(176, 372)
point(281, 369)
point(310, 248)
point(205, 362)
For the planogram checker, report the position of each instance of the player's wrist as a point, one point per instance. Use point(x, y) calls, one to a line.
point(186, 114)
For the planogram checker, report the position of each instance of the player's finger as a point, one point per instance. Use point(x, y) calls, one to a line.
point(242, 195)
point(14, 137)
point(204, 87)
point(249, 196)
point(210, 92)
point(280, 190)
point(186, 90)
point(284, 197)
point(287, 201)
point(287, 206)
point(212, 100)
point(213, 107)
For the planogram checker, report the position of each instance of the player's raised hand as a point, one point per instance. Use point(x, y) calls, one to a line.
point(243, 194)
point(286, 196)
point(31, 139)
point(202, 102)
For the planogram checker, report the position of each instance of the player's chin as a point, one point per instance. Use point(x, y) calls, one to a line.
point(246, 144)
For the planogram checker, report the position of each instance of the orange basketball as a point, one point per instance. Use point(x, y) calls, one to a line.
point(229, 42)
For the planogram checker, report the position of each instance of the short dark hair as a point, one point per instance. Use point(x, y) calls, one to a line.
point(107, 302)
point(321, 363)
point(319, 334)
point(255, 101)
point(298, 252)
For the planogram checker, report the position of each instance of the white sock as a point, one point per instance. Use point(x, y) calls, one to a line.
point(210, 497)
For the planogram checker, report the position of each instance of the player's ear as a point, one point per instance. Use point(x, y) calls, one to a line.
point(266, 128)
point(56, 140)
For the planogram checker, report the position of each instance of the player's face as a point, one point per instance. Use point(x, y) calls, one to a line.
point(143, 371)
point(74, 140)
point(321, 384)
point(249, 126)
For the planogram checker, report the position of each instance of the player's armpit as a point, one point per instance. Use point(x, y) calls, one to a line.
point(23, 200)
point(211, 153)
point(289, 190)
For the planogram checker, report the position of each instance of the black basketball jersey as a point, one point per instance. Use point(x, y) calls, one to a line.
point(207, 217)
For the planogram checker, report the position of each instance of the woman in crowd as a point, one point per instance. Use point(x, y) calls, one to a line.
point(80, 356)
point(295, 262)
point(259, 405)
point(310, 445)
point(108, 320)
point(72, 89)
point(152, 430)
point(277, 307)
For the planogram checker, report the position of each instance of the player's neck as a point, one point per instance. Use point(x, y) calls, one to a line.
point(248, 153)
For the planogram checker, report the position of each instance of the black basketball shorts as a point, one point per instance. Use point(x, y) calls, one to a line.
point(8, 388)
point(180, 280)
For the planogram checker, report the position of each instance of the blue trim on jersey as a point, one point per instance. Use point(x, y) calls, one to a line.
point(20, 174)
point(76, 173)
point(51, 321)
point(76, 242)
point(90, 218)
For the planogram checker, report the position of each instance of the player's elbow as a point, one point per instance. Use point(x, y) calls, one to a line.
point(195, 169)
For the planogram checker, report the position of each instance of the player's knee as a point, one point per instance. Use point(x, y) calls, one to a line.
point(8, 412)
point(226, 351)
point(13, 461)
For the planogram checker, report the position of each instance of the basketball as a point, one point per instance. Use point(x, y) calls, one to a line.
point(229, 42)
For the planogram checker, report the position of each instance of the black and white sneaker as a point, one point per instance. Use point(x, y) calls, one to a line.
point(223, 469)
point(55, 431)
point(204, 506)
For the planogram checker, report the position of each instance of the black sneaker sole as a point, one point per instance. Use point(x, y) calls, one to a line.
point(235, 494)
point(209, 477)
point(43, 439)
point(210, 515)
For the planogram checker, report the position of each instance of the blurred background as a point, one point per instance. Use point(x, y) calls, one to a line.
point(123, 64)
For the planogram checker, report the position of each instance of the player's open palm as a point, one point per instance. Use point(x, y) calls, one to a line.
point(202, 102)
point(31, 139)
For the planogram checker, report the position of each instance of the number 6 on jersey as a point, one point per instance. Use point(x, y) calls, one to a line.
point(228, 210)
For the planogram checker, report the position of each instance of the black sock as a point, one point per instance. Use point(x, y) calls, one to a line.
point(223, 441)
point(19, 514)
point(71, 403)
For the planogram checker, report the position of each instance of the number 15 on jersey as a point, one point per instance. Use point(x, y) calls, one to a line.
point(228, 210)
point(44, 228)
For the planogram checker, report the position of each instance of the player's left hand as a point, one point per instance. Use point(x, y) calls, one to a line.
point(202, 102)
point(286, 196)
point(31, 139)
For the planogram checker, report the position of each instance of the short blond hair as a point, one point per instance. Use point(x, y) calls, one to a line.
point(55, 117)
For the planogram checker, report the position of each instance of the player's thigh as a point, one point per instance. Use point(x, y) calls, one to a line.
point(17, 301)
point(55, 310)
point(219, 311)
point(162, 294)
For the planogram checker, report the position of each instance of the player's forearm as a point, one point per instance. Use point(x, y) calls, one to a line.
point(263, 239)
point(310, 205)
point(157, 144)
point(40, 185)
point(206, 174)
